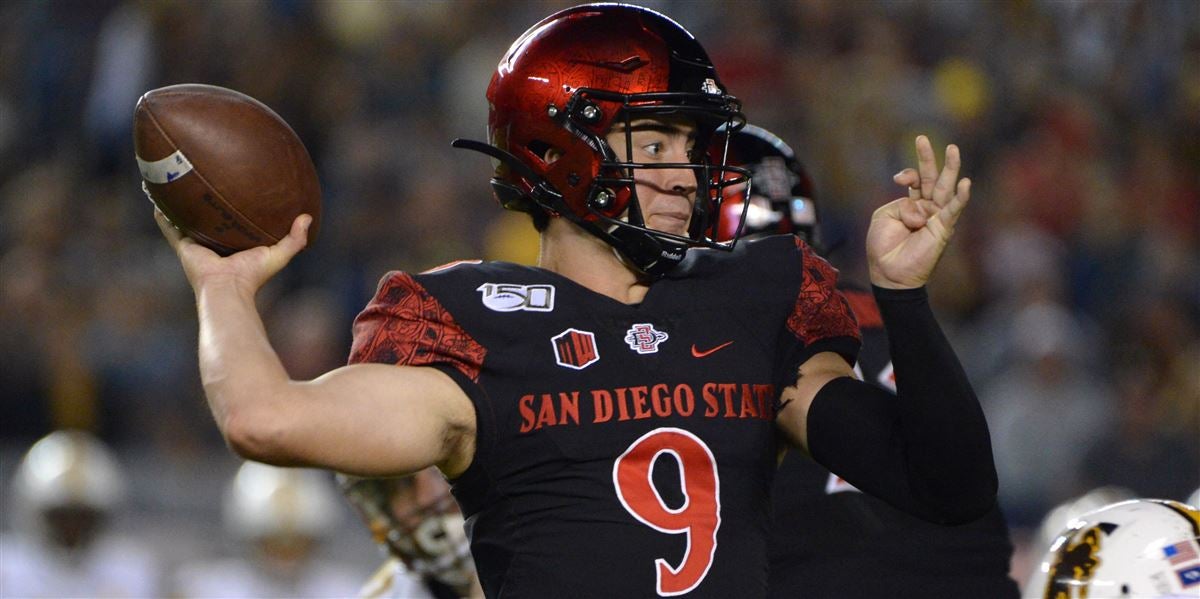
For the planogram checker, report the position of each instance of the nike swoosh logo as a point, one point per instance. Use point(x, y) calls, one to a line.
point(700, 354)
point(628, 65)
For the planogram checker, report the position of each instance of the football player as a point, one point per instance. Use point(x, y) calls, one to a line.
point(417, 522)
point(66, 491)
point(1144, 548)
point(280, 517)
point(828, 538)
point(610, 418)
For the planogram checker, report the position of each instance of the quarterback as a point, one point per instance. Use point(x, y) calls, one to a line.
point(610, 419)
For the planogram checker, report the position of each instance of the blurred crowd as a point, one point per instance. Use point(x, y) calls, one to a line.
point(1072, 288)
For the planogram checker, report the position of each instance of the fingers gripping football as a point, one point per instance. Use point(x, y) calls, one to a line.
point(248, 269)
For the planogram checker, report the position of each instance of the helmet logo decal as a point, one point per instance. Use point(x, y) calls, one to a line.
point(627, 65)
point(772, 178)
point(1189, 576)
point(644, 338)
point(508, 297)
point(710, 87)
point(1180, 553)
point(575, 349)
point(1076, 561)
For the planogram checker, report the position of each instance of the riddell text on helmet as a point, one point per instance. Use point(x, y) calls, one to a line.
point(716, 400)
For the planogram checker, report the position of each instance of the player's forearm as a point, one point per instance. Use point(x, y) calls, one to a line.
point(242, 376)
point(945, 433)
point(926, 450)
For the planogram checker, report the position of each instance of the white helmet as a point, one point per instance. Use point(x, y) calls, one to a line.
point(1146, 548)
point(1058, 518)
point(1194, 499)
point(69, 468)
point(265, 501)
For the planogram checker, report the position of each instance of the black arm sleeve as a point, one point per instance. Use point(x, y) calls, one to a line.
point(925, 450)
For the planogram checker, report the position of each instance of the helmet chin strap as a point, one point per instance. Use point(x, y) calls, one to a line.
point(649, 254)
point(642, 250)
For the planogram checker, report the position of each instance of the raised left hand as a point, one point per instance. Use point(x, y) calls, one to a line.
point(908, 235)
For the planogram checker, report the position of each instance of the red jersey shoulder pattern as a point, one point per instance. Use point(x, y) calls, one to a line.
point(866, 311)
point(405, 325)
point(821, 311)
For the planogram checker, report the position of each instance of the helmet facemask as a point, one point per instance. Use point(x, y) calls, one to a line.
point(613, 211)
point(564, 84)
point(426, 535)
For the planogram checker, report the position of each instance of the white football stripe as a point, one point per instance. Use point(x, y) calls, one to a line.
point(166, 170)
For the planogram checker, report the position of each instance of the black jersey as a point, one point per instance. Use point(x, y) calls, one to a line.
point(831, 541)
point(622, 450)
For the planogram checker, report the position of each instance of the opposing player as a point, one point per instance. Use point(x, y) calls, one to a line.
point(609, 419)
point(416, 521)
point(1144, 548)
point(828, 538)
point(279, 518)
point(65, 495)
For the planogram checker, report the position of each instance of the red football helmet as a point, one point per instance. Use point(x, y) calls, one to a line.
point(563, 85)
point(781, 199)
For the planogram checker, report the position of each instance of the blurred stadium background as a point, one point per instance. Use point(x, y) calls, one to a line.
point(1072, 290)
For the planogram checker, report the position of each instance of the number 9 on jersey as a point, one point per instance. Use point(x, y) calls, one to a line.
point(700, 515)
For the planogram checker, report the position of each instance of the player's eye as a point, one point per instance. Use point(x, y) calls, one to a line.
point(653, 150)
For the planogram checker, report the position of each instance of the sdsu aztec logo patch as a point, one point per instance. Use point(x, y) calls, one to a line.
point(507, 297)
point(575, 349)
point(644, 339)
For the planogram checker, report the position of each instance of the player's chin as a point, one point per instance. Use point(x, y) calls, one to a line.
point(668, 224)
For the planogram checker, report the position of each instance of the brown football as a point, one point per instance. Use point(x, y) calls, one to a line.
point(224, 169)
